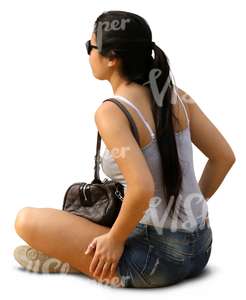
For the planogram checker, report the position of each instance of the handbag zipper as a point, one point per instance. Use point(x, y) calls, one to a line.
point(117, 192)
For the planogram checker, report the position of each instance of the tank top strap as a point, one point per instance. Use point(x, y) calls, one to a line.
point(138, 112)
point(186, 114)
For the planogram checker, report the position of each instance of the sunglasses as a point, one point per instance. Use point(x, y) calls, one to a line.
point(89, 47)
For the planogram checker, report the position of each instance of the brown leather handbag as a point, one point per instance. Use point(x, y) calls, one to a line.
point(98, 201)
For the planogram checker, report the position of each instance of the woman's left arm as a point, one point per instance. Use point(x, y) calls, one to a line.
point(115, 131)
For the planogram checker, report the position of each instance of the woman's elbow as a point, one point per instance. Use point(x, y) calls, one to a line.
point(227, 158)
point(142, 189)
point(230, 158)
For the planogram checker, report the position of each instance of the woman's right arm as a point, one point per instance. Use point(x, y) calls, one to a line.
point(212, 143)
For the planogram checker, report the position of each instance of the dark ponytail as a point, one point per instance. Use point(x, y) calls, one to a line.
point(134, 47)
point(163, 114)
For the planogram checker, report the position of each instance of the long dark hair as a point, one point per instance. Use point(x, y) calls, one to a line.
point(128, 36)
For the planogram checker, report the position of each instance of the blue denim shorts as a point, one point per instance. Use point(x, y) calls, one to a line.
point(157, 258)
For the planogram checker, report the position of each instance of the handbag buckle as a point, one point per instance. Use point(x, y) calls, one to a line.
point(118, 194)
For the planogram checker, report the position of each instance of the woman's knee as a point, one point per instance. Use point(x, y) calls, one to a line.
point(24, 221)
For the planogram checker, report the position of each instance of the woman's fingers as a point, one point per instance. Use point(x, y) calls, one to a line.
point(91, 247)
point(99, 267)
point(94, 263)
point(113, 268)
point(106, 269)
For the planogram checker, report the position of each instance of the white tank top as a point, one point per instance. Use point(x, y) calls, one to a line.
point(191, 207)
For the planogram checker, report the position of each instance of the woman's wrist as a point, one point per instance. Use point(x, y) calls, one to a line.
point(116, 238)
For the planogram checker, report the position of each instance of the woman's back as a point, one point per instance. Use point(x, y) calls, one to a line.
point(191, 207)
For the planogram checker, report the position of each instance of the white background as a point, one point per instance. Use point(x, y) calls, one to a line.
point(48, 136)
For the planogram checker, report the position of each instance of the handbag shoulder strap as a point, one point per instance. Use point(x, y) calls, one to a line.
point(129, 117)
point(133, 129)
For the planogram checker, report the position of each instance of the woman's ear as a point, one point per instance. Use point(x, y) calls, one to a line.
point(110, 63)
point(113, 60)
point(112, 54)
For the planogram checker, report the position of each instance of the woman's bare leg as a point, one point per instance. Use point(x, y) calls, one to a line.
point(62, 235)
